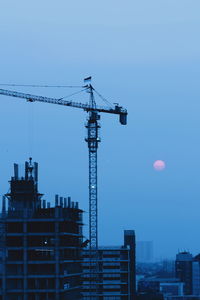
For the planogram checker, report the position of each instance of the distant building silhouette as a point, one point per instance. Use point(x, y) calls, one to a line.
point(183, 269)
point(39, 244)
point(144, 251)
point(196, 275)
point(191, 297)
point(156, 285)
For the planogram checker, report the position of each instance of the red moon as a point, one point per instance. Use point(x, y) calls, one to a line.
point(159, 165)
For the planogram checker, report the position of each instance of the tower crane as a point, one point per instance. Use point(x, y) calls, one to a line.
point(92, 140)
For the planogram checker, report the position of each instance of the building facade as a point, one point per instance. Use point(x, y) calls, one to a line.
point(165, 286)
point(196, 275)
point(116, 272)
point(183, 270)
point(40, 245)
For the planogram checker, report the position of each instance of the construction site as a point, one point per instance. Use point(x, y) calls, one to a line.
point(43, 253)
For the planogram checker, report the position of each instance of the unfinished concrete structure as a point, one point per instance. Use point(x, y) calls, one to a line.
point(39, 244)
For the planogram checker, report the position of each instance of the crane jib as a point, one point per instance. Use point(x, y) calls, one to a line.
point(32, 98)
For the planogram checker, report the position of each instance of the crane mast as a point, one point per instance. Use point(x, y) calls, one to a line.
point(92, 140)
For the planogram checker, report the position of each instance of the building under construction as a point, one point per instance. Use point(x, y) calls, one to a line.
point(40, 245)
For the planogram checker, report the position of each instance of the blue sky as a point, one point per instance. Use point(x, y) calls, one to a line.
point(142, 54)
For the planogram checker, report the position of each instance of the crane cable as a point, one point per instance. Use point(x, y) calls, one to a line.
point(103, 98)
point(73, 94)
point(41, 86)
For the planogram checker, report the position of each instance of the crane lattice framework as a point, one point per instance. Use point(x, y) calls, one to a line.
point(92, 139)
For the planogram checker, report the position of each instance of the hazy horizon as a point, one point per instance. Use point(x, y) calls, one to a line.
point(144, 55)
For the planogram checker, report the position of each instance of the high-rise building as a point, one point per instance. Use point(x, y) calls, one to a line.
point(183, 269)
point(144, 251)
point(116, 267)
point(40, 245)
point(196, 275)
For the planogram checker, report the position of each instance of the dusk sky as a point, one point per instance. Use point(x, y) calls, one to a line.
point(146, 56)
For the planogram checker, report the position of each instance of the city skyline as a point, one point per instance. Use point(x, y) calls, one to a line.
point(144, 56)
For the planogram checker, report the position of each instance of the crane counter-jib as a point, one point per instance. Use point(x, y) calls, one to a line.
point(31, 98)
